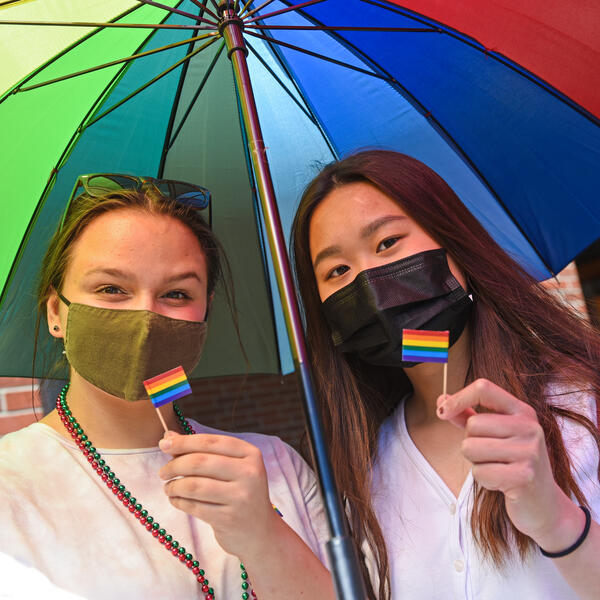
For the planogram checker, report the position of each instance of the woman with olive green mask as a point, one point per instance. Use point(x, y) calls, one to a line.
point(126, 285)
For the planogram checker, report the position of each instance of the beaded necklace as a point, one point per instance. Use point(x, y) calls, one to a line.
point(133, 506)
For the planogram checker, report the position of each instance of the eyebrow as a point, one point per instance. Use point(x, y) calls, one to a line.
point(365, 232)
point(125, 275)
point(108, 271)
point(326, 253)
point(372, 227)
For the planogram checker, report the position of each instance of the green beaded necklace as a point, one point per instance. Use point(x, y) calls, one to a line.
point(135, 508)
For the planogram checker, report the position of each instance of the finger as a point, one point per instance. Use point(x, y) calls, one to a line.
point(461, 419)
point(498, 426)
point(177, 444)
point(215, 466)
point(491, 450)
point(503, 477)
point(199, 489)
point(480, 393)
point(206, 511)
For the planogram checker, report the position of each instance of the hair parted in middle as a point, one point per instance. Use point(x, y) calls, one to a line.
point(522, 338)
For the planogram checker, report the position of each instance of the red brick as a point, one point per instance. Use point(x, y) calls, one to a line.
point(9, 424)
point(21, 400)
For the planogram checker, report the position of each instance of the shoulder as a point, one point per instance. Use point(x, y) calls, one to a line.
point(26, 444)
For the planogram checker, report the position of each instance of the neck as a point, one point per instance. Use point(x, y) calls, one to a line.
point(112, 422)
point(427, 381)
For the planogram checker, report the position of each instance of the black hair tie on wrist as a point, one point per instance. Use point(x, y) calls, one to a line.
point(578, 542)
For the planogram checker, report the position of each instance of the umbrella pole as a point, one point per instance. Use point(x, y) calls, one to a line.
point(342, 553)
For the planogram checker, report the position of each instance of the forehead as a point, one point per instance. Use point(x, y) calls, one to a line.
point(134, 238)
point(347, 209)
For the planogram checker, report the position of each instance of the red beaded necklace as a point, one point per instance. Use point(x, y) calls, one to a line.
point(136, 509)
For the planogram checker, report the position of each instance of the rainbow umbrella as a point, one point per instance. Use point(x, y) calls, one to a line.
point(501, 98)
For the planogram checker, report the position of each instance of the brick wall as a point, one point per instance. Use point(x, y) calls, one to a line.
point(16, 403)
point(262, 403)
point(568, 287)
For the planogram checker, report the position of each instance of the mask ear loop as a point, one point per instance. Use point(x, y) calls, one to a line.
point(67, 302)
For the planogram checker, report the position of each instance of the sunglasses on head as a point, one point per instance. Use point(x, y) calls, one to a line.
point(180, 191)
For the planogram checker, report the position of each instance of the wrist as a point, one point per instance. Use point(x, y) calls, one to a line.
point(565, 530)
point(259, 542)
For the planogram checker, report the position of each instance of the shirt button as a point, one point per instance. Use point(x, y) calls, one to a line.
point(453, 509)
point(459, 566)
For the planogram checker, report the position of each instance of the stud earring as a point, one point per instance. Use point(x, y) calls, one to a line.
point(56, 328)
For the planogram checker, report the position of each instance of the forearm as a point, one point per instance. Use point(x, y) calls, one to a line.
point(580, 568)
point(281, 565)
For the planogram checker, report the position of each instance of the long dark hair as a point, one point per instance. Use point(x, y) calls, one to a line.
point(538, 343)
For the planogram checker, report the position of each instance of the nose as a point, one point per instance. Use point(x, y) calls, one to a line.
point(145, 301)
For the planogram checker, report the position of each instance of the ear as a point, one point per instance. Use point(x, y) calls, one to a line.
point(52, 313)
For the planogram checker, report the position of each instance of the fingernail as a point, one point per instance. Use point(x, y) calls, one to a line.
point(165, 444)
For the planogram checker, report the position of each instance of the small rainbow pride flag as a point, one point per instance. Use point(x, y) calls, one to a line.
point(168, 386)
point(425, 346)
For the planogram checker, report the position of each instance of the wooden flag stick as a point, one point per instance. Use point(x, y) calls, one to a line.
point(162, 420)
point(445, 386)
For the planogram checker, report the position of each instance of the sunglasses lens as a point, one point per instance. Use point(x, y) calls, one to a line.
point(103, 183)
point(196, 198)
point(185, 193)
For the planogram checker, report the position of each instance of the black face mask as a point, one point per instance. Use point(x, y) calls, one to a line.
point(418, 292)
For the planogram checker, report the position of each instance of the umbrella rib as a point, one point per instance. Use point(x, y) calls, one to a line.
point(344, 28)
point(476, 45)
point(254, 10)
point(196, 95)
point(283, 10)
point(205, 8)
point(149, 83)
point(283, 64)
point(176, 11)
point(321, 56)
point(62, 53)
point(280, 82)
point(175, 107)
point(116, 62)
point(107, 25)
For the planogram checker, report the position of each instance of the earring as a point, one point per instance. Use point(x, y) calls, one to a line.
point(56, 328)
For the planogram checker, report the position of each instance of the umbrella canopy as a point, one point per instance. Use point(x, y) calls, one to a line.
point(500, 99)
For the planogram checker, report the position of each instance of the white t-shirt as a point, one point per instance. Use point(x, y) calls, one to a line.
point(59, 517)
point(427, 529)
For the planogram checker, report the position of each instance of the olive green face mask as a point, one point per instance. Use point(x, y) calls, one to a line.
point(116, 350)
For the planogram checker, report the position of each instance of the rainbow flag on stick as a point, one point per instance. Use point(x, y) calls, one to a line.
point(168, 386)
point(425, 346)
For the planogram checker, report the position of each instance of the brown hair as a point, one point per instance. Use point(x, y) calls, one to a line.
point(538, 342)
point(86, 207)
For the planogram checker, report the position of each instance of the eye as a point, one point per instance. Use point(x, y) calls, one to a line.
point(388, 243)
point(110, 289)
point(337, 272)
point(178, 295)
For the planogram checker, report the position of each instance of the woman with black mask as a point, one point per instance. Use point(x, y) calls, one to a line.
point(492, 490)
